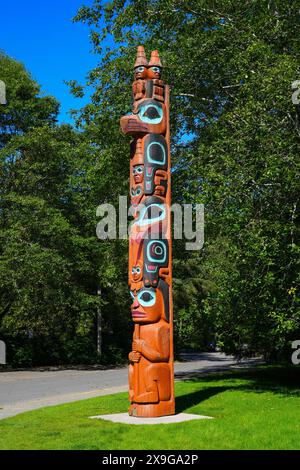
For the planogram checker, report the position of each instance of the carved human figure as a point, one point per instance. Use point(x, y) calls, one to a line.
point(138, 173)
point(151, 346)
point(140, 75)
point(155, 86)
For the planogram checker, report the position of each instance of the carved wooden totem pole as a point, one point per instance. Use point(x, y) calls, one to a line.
point(151, 383)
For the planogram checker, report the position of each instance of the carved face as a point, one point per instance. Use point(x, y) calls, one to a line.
point(140, 72)
point(137, 272)
point(154, 72)
point(138, 173)
point(147, 306)
point(136, 194)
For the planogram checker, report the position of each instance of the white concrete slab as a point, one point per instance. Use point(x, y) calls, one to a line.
point(124, 418)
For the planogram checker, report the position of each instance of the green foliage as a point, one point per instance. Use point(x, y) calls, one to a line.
point(235, 148)
point(24, 108)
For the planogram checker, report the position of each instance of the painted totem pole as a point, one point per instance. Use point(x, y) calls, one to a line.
point(151, 384)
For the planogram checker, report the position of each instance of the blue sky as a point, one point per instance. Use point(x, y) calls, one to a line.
point(41, 35)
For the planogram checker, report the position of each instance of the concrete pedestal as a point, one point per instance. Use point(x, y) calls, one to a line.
point(124, 418)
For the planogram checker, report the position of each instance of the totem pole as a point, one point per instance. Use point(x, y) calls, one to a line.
point(151, 384)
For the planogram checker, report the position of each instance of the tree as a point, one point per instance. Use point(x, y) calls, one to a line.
point(235, 149)
point(51, 261)
point(25, 108)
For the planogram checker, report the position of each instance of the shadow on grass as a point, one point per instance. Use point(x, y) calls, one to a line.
point(183, 402)
point(280, 380)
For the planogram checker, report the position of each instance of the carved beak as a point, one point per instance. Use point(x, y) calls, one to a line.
point(133, 126)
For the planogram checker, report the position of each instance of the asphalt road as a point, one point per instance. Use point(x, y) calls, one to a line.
point(28, 390)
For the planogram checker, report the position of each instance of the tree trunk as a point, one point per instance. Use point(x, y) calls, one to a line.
point(99, 327)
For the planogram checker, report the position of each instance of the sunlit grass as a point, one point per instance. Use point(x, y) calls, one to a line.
point(257, 409)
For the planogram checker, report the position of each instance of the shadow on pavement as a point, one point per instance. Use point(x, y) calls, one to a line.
point(203, 356)
point(198, 373)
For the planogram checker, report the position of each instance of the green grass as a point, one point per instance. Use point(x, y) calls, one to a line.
point(255, 409)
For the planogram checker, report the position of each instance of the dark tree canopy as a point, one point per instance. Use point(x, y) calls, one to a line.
point(235, 148)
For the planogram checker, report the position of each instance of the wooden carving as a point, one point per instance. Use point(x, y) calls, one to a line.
point(151, 383)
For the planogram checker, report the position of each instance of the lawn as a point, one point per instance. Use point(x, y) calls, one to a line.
point(254, 409)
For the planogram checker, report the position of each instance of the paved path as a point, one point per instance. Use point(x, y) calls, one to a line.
point(28, 390)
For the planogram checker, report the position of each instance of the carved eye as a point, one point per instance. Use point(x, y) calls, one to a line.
point(140, 69)
point(154, 212)
point(151, 113)
point(138, 270)
point(138, 170)
point(138, 191)
point(155, 69)
point(132, 192)
point(147, 298)
point(151, 214)
point(157, 251)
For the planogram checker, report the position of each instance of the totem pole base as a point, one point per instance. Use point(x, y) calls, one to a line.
point(152, 410)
